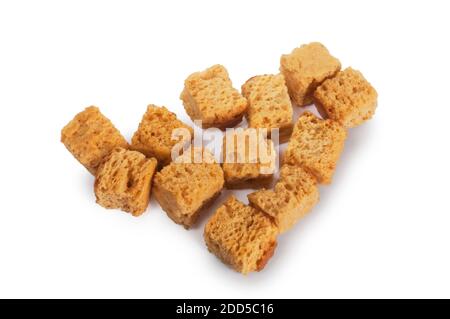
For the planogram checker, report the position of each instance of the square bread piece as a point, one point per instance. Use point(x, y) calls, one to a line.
point(294, 195)
point(90, 136)
point(316, 145)
point(187, 185)
point(154, 135)
point(269, 105)
point(241, 236)
point(249, 159)
point(210, 97)
point(124, 181)
point(305, 69)
point(347, 98)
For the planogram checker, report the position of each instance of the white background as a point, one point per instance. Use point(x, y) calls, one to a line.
point(382, 229)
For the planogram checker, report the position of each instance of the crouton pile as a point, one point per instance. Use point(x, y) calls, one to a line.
point(185, 179)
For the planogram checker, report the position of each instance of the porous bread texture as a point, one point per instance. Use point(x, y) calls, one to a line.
point(124, 181)
point(316, 145)
point(305, 68)
point(210, 97)
point(90, 136)
point(154, 134)
point(293, 196)
point(347, 98)
point(241, 236)
point(195, 154)
point(269, 105)
point(248, 157)
point(185, 186)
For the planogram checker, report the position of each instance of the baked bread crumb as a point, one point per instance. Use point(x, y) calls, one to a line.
point(316, 145)
point(269, 105)
point(305, 68)
point(187, 185)
point(210, 97)
point(124, 181)
point(241, 236)
point(90, 136)
point(154, 134)
point(293, 196)
point(245, 166)
point(347, 98)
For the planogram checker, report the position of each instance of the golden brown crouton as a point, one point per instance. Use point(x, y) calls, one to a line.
point(248, 158)
point(210, 97)
point(347, 98)
point(124, 181)
point(188, 184)
point(90, 136)
point(316, 145)
point(269, 105)
point(294, 195)
point(241, 236)
point(305, 68)
point(154, 135)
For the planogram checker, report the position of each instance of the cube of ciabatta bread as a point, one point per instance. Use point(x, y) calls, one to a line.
point(210, 97)
point(269, 105)
point(90, 136)
point(187, 185)
point(293, 196)
point(124, 181)
point(241, 236)
point(316, 145)
point(305, 68)
point(154, 134)
point(248, 158)
point(347, 98)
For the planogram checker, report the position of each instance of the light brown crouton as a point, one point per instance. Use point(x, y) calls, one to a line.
point(90, 136)
point(248, 158)
point(210, 97)
point(347, 98)
point(305, 68)
point(294, 195)
point(124, 181)
point(316, 145)
point(269, 105)
point(241, 236)
point(154, 135)
point(187, 185)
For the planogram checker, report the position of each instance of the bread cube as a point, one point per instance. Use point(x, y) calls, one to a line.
point(305, 68)
point(241, 236)
point(248, 158)
point(269, 105)
point(124, 181)
point(90, 136)
point(154, 135)
point(187, 185)
point(294, 195)
point(347, 98)
point(210, 97)
point(316, 145)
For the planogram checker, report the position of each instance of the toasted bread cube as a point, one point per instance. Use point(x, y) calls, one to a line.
point(305, 68)
point(294, 195)
point(316, 145)
point(210, 97)
point(241, 236)
point(124, 181)
point(154, 135)
point(90, 136)
point(187, 185)
point(347, 98)
point(248, 158)
point(269, 105)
